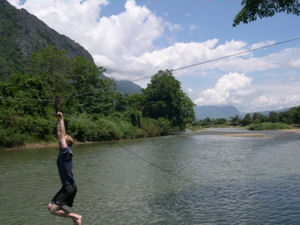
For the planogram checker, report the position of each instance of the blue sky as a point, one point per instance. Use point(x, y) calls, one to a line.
point(134, 39)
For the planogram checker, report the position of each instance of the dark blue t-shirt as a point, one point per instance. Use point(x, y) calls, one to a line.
point(64, 165)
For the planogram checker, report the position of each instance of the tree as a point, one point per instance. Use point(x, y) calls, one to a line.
point(52, 65)
point(247, 120)
point(163, 98)
point(235, 121)
point(220, 121)
point(206, 121)
point(258, 118)
point(253, 9)
point(273, 117)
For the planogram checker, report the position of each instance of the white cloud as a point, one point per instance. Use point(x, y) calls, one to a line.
point(231, 88)
point(275, 96)
point(193, 27)
point(237, 89)
point(173, 27)
point(261, 44)
point(113, 41)
point(190, 90)
point(286, 59)
point(125, 45)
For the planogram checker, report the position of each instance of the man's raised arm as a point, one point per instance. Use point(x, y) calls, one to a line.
point(61, 132)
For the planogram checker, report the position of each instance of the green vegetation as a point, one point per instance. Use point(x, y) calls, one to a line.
point(93, 109)
point(11, 59)
point(257, 121)
point(252, 9)
point(164, 98)
point(268, 126)
point(207, 122)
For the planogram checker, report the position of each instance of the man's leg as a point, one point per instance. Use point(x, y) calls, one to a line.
point(58, 210)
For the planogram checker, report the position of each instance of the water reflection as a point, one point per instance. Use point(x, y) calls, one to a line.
point(187, 179)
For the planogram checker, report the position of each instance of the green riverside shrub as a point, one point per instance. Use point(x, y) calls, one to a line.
point(11, 137)
point(268, 126)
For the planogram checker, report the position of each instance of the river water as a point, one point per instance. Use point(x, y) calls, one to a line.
point(214, 177)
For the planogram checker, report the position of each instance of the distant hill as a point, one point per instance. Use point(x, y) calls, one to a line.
point(127, 87)
point(224, 111)
point(124, 86)
point(21, 33)
point(266, 113)
point(215, 112)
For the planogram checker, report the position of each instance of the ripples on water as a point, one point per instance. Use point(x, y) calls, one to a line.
point(206, 179)
point(265, 202)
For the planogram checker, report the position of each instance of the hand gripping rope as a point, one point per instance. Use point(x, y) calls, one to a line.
point(57, 104)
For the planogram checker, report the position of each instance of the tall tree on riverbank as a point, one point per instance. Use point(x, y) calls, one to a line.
point(253, 9)
point(164, 98)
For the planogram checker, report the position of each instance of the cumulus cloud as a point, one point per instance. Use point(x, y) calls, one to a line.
point(237, 89)
point(113, 41)
point(231, 88)
point(261, 44)
point(286, 59)
point(124, 44)
point(275, 97)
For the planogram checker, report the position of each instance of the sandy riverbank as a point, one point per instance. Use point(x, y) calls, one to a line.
point(243, 132)
point(224, 132)
point(41, 145)
point(296, 130)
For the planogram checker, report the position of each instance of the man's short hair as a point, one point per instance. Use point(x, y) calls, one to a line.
point(69, 140)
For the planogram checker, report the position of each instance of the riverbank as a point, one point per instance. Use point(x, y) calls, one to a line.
point(241, 132)
point(295, 130)
point(40, 145)
point(233, 132)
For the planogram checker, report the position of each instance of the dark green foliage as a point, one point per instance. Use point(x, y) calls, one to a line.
point(207, 122)
point(291, 116)
point(273, 117)
point(258, 121)
point(163, 98)
point(93, 110)
point(268, 126)
point(253, 9)
point(10, 137)
point(21, 34)
point(235, 121)
point(258, 118)
point(247, 120)
point(11, 59)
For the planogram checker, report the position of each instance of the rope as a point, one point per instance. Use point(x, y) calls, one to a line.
point(148, 76)
point(235, 54)
point(26, 99)
point(223, 57)
point(156, 166)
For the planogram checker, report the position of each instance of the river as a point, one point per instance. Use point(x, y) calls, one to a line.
point(215, 177)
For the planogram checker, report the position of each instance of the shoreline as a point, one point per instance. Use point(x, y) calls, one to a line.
point(41, 145)
point(293, 130)
point(205, 131)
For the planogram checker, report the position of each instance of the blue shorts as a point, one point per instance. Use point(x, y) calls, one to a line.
point(65, 195)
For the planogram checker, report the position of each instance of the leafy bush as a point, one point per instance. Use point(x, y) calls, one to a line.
point(85, 128)
point(11, 137)
point(268, 126)
point(93, 109)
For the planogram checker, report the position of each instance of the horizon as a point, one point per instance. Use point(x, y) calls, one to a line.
point(245, 112)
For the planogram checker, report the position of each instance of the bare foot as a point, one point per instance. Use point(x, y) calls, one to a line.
point(77, 221)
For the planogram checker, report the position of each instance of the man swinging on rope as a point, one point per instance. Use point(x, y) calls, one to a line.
point(66, 194)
